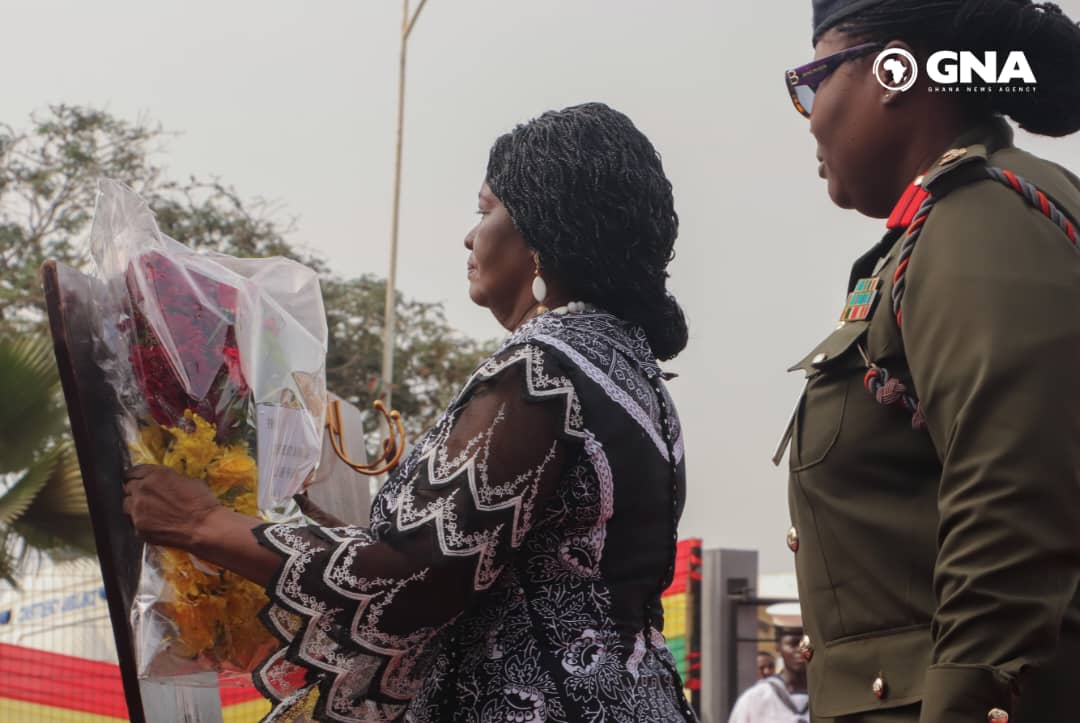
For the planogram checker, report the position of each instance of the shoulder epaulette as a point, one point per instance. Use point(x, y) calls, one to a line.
point(955, 168)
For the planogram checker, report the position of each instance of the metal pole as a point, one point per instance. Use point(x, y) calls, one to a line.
point(407, 24)
point(391, 277)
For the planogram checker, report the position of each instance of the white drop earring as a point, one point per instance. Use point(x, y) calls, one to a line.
point(539, 289)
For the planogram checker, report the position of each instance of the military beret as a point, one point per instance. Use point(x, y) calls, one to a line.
point(828, 13)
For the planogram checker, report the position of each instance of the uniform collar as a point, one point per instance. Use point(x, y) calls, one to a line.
point(992, 135)
point(865, 264)
point(908, 205)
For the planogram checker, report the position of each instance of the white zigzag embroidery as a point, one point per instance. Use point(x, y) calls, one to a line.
point(454, 542)
point(315, 648)
point(538, 382)
point(618, 395)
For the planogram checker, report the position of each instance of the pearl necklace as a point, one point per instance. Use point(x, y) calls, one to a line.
point(575, 307)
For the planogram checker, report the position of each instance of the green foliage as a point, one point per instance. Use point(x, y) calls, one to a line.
point(430, 358)
point(42, 501)
point(48, 188)
point(30, 410)
point(48, 184)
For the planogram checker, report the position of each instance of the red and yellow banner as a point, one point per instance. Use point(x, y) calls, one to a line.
point(682, 616)
point(44, 687)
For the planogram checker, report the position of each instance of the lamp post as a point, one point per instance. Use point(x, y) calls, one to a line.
point(408, 21)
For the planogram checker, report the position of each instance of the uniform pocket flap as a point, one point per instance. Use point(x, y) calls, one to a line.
point(849, 670)
point(834, 346)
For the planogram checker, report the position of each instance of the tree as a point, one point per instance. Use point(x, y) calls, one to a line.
point(431, 359)
point(47, 191)
point(48, 184)
point(42, 503)
point(48, 187)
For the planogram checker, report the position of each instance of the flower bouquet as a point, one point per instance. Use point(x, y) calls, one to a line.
point(219, 368)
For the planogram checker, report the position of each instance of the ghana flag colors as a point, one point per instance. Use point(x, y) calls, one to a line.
point(682, 617)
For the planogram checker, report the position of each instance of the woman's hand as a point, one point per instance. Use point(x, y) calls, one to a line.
point(166, 507)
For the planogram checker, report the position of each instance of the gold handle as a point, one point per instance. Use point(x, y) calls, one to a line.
point(393, 446)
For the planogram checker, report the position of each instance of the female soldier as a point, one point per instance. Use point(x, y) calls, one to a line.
point(935, 466)
point(515, 560)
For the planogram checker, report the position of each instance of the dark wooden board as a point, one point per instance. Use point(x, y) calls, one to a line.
point(70, 298)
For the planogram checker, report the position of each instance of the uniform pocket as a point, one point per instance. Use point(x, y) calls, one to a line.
point(821, 411)
point(817, 424)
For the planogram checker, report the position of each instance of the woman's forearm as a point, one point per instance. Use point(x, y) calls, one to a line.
point(225, 538)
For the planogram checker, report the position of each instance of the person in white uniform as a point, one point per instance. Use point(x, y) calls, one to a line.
point(780, 698)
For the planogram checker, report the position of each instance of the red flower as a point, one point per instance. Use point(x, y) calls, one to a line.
point(203, 370)
point(236, 374)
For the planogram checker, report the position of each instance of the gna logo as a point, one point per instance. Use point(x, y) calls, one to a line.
point(897, 70)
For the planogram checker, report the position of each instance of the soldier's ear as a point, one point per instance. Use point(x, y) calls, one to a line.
point(896, 69)
point(894, 98)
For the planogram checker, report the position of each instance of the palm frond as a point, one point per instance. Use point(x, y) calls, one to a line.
point(18, 498)
point(67, 538)
point(30, 409)
point(57, 517)
point(44, 515)
point(12, 548)
point(63, 494)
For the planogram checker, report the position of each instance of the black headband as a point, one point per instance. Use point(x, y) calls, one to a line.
point(829, 13)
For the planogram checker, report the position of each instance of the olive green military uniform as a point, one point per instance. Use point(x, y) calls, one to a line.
point(939, 567)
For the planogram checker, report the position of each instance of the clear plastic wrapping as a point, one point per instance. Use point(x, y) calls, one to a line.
point(219, 367)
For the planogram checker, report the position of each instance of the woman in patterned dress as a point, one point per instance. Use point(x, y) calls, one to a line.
point(513, 566)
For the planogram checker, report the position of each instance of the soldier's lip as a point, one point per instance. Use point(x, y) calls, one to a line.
point(821, 169)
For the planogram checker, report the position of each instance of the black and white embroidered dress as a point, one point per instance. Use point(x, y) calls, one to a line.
point(514, 561)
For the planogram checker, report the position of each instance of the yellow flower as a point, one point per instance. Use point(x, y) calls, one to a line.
point(149, 447)
point(187, 580)
point(234, 468)
point(246, 504)
point(247, 640)
point(215, 612)
point(198, 625)
point(193, 446)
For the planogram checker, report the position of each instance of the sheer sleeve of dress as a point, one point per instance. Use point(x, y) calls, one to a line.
point(361, 611)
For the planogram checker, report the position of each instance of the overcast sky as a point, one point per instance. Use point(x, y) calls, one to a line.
point(296, 102)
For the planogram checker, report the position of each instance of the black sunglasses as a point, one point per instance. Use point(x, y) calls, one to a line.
point(802, 82)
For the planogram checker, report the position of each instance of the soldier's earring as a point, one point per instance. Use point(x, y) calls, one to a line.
point(539, 288)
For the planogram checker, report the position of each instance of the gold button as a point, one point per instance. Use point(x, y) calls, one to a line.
point(805, 648)
point(952, 155)
point(820, 358)
point(879, 687)
point(997, 715)
point(793, 539)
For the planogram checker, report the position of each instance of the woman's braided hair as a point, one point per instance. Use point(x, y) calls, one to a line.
point(588, 192)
